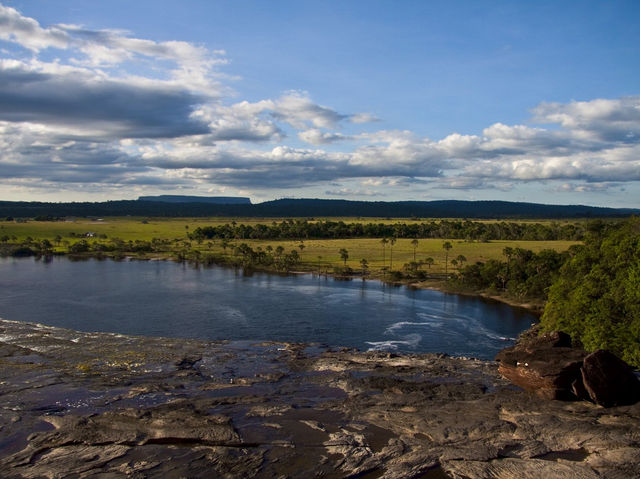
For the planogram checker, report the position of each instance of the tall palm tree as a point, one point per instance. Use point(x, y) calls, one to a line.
point(447, 246)
point(365, 266)
point(392, 241)
point(383, 242)
point(344, 254)
point(414, 243)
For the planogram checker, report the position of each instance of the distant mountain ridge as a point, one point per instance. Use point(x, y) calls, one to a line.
point(306, 208)
point(220, 200)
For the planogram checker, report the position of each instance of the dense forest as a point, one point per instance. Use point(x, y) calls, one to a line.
point(305, 208)
point(523, 275)
point(465, 230)
point(596, 297)
point(592, 291)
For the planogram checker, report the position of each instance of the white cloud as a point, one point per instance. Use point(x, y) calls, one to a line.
point(27, 32)
point(363, 118)
point(89, 119)
point(318, 137)
point(605, 119)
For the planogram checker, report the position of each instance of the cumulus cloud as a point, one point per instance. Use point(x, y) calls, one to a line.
point(318, 137)
point(96, 105)
point(87, 119)
point(27, 32)
point(615, 120)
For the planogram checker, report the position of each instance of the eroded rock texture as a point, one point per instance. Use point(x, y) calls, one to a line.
point(99, 405)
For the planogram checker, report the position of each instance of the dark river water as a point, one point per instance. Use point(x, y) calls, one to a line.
point(163, 298)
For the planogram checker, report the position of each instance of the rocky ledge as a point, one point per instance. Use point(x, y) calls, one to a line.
point(103, 405)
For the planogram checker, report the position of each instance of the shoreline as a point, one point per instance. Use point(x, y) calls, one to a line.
point(532, 307)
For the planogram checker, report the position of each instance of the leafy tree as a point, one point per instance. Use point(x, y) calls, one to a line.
point(81, 246)
point(597, 296)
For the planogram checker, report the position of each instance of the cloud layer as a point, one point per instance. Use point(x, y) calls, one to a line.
point(109, 111)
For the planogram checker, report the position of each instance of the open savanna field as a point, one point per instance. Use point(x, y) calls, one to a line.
point(315, 254)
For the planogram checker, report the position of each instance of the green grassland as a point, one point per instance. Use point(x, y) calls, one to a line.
point(314, 255)
point(128, 228)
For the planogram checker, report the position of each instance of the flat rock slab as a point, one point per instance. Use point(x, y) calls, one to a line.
point(78, 404)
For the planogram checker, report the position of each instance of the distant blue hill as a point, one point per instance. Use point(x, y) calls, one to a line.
point(184, 206)
point(218, 200)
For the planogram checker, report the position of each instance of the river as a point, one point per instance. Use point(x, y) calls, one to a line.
point(164, 298)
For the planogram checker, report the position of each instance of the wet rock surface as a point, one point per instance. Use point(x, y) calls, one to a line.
point(102, 405)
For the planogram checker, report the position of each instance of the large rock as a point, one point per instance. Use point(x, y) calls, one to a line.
point(550, 373)
point(549, 367)
point(545, 365)
point(608, 380)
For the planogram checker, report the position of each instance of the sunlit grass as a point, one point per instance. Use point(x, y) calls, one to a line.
point(315, 254)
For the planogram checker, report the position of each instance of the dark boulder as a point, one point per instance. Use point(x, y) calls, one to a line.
point(547, 371)
point(608, 380)
point(547, 366)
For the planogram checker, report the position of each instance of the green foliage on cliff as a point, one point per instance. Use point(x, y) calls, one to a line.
point(596, 299)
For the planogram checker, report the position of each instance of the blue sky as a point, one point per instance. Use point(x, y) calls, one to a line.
point(523, 101)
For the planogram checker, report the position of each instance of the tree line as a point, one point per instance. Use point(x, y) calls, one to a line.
point(450, 229)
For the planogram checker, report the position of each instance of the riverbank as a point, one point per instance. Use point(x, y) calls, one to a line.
point(534, 306)
point(104, 404)
point(432, 281)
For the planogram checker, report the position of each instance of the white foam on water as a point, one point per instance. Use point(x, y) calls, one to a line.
point(401, 324)
point(411, 340)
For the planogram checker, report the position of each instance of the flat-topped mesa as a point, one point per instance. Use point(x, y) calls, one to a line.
point(549, 367)
point(218, 200)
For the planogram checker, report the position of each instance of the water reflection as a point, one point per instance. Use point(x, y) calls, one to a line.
point(171, 299)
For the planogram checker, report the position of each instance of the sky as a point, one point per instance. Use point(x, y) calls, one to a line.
point(361, 100)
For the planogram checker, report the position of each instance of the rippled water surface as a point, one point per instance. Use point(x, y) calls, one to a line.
point(161, 298)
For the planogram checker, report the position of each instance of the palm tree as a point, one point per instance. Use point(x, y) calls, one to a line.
point(344, 255)
point(383, 242)
point(365, 266)
point(392, 241)
point(447, 246)
point(461, 259)
point(414, 243)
